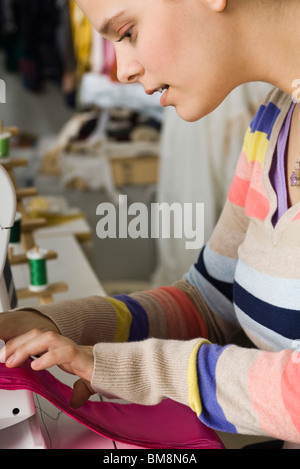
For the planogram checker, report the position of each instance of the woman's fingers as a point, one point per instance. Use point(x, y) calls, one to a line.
point(33, 343)
point(22, 347)
point(52, 349)
point(74, 359)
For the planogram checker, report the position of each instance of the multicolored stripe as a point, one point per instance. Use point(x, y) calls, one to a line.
point(133, 320)
point(135, 315)
point(215, 283)
point(267, 307)
point(267, 399)
point(247, 189)
point(274, 393)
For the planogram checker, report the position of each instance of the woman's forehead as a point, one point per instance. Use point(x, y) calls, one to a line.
point(102, 13)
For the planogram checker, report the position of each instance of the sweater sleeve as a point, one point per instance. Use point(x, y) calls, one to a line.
point(231, 389)
point(199, 305)
point(260, 398)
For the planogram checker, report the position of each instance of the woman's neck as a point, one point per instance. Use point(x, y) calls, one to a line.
point(270, 41)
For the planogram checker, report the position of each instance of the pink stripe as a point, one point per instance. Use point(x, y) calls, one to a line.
point(290, 389)
point(265, 389)
point(243, 169)
point(297, 217)
point(257, 205)
point(195, 323)
point(238, 191)
point(247, 188)
point(176, 324)
point(257, 179)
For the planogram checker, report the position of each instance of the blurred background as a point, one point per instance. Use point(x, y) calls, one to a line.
point(89, 139)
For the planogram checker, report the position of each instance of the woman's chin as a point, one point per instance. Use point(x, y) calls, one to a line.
point(188, 115)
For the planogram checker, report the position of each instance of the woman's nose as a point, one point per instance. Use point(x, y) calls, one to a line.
point(129, 70)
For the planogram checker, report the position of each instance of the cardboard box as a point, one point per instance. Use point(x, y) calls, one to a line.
point(135, 170)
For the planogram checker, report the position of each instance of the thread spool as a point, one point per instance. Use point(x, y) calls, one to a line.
point(4, 144)
point(38, 270)
point(15, 232)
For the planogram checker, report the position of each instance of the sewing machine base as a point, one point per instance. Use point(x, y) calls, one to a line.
point(23, 435)
point(15, 406)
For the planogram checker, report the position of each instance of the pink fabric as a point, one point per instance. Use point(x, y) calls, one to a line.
point(166, 425)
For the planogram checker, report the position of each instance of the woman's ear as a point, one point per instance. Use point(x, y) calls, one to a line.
point(217, 5)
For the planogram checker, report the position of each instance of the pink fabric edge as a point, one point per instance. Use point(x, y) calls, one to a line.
point(168, 424)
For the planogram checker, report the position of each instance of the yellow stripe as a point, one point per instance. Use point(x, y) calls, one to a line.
point(194, 395)
point(124, 318)
point(255, 146)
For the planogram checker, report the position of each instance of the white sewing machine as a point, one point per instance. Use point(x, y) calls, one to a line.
point(16, 407)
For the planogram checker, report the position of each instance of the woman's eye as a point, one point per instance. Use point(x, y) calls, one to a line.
point(127, 34)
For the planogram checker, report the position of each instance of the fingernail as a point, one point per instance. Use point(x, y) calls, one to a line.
point(36, 362)
point(10, 360)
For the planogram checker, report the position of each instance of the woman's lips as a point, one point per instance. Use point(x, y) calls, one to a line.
point(164, 97)
point(163, 90)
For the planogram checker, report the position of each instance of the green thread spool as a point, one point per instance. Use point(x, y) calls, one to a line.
point(15, 232)
point(4, 144)
point(38, 272)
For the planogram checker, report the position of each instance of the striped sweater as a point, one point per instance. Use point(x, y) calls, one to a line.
point(177, 342)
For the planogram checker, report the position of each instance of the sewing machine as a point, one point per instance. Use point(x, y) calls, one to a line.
point(15, 406)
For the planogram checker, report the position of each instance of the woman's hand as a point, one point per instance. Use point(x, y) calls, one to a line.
point(53, 349)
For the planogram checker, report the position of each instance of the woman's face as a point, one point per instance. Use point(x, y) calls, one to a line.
point(175, 44)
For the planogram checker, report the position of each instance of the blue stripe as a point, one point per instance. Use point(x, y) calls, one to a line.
point(283, 321)
point(224, 287)
point(264, 119)
point(279, 291)
point(212, 414)
point(265, 336)
point(139, 329)
point(219, 266)
point(215, 300)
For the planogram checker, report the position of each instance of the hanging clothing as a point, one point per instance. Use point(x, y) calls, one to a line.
point(103, 57)
point(37, 22)
point(82, 38)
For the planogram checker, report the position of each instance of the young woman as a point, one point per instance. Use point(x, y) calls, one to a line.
point(175, 342)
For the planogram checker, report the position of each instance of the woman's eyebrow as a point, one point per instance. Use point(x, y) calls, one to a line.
point(106, 28)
